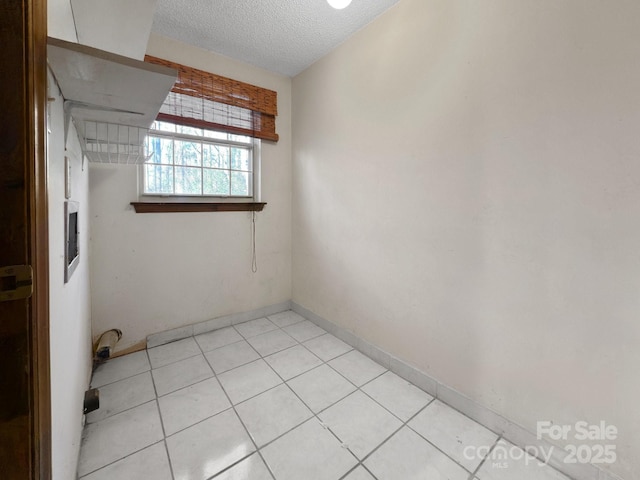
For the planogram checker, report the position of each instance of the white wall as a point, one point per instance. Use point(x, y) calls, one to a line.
point(70, 310)
point(153, 272)
point(60, 22)
point(466, 195)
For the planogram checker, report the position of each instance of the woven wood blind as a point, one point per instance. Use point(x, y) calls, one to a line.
point(205, 100)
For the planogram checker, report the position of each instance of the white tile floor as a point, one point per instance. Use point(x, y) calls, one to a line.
point(278, 398)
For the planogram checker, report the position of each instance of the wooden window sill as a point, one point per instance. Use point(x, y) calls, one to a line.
point(177, 207)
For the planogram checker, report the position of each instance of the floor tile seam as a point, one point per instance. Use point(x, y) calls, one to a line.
point(225, 391)
point(466, 416)
point(306, 339)
point(249, 363)
point(430, 442)
point(406, 423)
point(359, 464)
point(164, 433)
point(296, 376)
point(120, 379)
point(474, 474)
point(150, 370)
point(395, 415)
point(287, 431)
point(232, 369)
point(264, 460)
point(282, 329)
point(403, 425)
point(237, 462)
point(169, 343)
point(253, 348)
point(349, 380)
point(121, 412)
point(313, 413)
point(263, 357)
point(186, 386)
point(178, 361)
point(155, 390)
point(324, 362)
point(351, 348)
point(316, 414)
point(433, 399)
point(342, 442)
point(323, 424)
point(257, 449)
point(251, 336)
point(209, 417)
point(217, 348)
point(320, 411)
point(121, 458)
point(274, 314)
point(277, 351)
point(237, 366)
point(87, 422)
point(498, 436)
point(166, 449)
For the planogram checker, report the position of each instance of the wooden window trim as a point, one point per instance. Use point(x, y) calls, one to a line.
point(181, 207)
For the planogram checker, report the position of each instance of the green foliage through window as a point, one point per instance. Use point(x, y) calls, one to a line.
point(195, 162)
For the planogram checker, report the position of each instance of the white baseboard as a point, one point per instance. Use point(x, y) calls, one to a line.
point(509, 430)
point(169, 336)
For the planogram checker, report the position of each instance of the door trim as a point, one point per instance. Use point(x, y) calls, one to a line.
point(36, 96)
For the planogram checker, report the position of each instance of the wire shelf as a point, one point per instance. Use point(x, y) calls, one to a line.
point(113, 143)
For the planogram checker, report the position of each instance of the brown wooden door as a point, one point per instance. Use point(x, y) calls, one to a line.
point(25, 420)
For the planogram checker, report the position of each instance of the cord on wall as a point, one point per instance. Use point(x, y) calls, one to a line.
point(254, 259)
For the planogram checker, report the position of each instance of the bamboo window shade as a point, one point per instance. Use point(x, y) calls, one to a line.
point(204, 100)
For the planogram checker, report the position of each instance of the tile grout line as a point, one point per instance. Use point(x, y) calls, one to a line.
point(257, 449)
point(283, 382)
point(436, 446)
point(314, 414)
point(164, 433)
point(243, 401)
point(473, 475)
point(368, 455)
point(154, 400)
point(121, 458)
point(324, 362)
point(358, 388)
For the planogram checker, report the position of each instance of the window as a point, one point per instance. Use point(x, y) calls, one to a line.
point(204, 147)
point(186, 161)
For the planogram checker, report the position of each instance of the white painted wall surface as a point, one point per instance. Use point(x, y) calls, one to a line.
point(154, 272)
point(70, 309)
point(466, 195)
point(60, 22)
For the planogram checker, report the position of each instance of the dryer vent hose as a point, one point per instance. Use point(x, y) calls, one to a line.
point(107, 343)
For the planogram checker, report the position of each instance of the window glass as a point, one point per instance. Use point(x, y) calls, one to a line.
point(214, 164)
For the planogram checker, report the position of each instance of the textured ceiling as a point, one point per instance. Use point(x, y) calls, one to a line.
point(283, 36)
